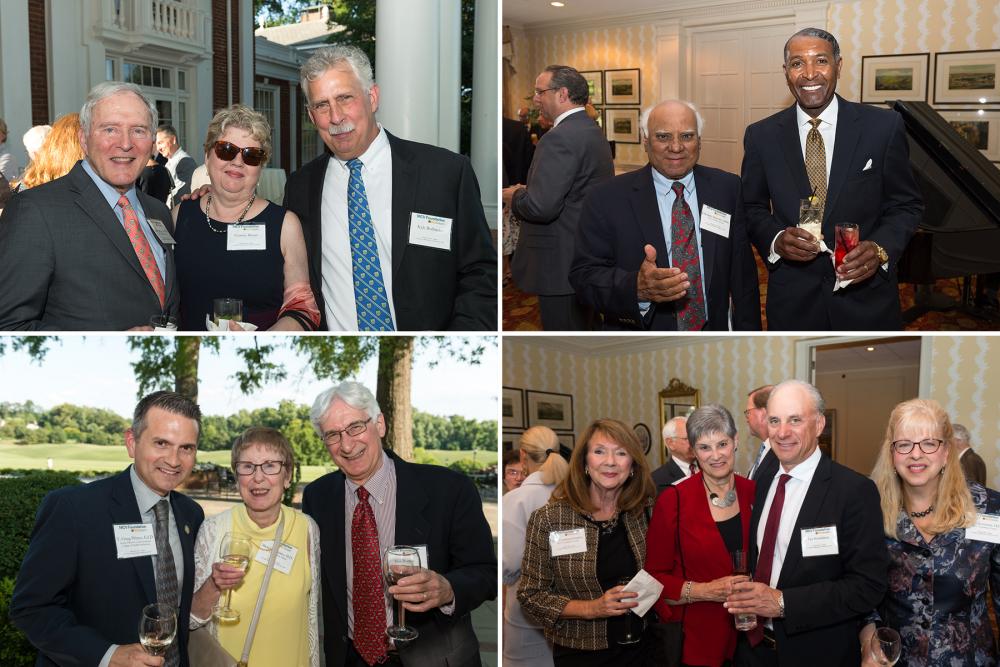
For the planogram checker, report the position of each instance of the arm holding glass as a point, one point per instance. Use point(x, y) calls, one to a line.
point(211, 577)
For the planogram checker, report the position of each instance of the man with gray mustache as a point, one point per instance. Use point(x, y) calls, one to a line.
point(395, 230)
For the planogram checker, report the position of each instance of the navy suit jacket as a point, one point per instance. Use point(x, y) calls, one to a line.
point(827, 597)
point(437, 507)
point(74, 597)
point(620, 216)
point(882, 200)
point(666, 475)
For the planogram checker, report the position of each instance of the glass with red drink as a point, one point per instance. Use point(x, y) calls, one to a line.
point(847, 237)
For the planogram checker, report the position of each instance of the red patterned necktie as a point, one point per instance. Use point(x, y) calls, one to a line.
point(684, 251)
point(766, 558)
point(368, 598)
point(142, 249)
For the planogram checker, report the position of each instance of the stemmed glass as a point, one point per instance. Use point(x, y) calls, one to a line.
point(234, 551)
point(885, 646)
point(399, 562)
point(157, 628)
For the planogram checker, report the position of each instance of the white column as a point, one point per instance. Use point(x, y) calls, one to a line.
point(245, 37)
point(450, 67)
point(15, 100)
point(486, 104)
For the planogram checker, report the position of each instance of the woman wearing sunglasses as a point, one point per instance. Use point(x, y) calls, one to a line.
point(233, 244)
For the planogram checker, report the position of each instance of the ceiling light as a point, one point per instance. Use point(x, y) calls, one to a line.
point(558, 4)
point(870, 348)
point(982, 100)
point(980, 112)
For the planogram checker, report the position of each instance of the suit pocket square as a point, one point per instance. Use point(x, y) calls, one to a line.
point(868, 165)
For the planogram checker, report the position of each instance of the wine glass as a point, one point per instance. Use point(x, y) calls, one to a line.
point(399, 562)
point(885, 646)
point(741, 568)
point(847, 237)
point(227, 309)
point(634, 624)
point(235, 551)
point(157, 628)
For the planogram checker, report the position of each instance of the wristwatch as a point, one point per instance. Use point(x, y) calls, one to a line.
point(883, 256)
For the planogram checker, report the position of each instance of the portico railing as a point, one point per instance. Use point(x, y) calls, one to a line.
point(164, 20)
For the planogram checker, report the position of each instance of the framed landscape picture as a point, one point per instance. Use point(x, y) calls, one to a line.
point(621, 86)
point(621, 125)
point(595, 81)
point(550, 409)
point(895, 77)
point(980, 127)
point(510, 440)
point(971, 77)
point(512, 407)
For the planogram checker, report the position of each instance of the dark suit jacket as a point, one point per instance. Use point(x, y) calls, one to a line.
point(882, 200)
point(570, 159)
point(826, 597)
point(74, 597)
point(432, 289)
point(621, 216)
point(666, 475)
point(434, 506)
point(517, 150)
point(973, 466)
point(66, 262)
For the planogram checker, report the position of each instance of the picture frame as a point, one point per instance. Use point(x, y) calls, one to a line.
point(980, 127)
point(550, 409)
point(622, 86)
point(510, 440)
point(595, 81)
point(512, 407)
point(828, 437)
point(967, 77)
point(904, 76)
point(645, 437)
point(621, 125)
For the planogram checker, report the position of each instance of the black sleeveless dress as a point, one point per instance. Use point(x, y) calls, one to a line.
point(206, 270)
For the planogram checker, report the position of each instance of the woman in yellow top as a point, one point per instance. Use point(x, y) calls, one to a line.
point(287, 631)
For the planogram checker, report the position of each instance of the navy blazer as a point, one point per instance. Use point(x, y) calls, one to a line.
point(74, 597)
point(827, 597)
point(432, 289)
point(882, 199)
point(620, 216)
point(666, 475)
point(437, 507)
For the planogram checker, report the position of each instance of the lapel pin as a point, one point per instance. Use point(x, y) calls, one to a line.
point(187, 529)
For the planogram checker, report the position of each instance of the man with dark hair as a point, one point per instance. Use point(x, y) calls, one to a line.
point(756, 416)
point(854, 159)
point(180, 165)
point(568, 161)
point(101, 552)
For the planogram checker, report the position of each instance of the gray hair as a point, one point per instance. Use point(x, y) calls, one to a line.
point(961, 434)
point(710, 419)
point(333, 56)
point(564, 76)
point(354, 394)
point(33, 139)
point(644, 118)
point(817, 398)
point(815, 32)
point(670, 428)
point(107, 89)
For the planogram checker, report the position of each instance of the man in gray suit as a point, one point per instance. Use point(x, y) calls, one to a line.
point(569, 159)
point(681, 463)
point(88, 251)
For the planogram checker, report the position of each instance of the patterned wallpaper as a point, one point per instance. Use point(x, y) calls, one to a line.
point(625, 386)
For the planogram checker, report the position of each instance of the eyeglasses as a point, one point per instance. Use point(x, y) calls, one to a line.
point(542, 91)
point(928, 446)
point(226, 151)
point(515, 473)
point(334, 437)
point(245, 468)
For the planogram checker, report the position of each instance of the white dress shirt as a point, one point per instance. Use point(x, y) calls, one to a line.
point(685, 468)
point(338, 277)
point(566, 113)
point(761, 453)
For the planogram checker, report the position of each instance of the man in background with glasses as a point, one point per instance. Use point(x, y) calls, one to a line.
point(375, 501)
point(681, 462)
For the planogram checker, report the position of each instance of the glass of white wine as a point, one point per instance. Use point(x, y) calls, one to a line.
point(227, 309)
point(234, 551)
point(399, 562)
point(157, 628)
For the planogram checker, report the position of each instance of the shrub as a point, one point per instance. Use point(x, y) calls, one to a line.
point(19, 500)
point(15, 651)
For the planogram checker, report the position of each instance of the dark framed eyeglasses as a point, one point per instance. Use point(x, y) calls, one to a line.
point(252, 156)
point(927, 446)
point(245, 468)
point(355, 428)
point(542, 91)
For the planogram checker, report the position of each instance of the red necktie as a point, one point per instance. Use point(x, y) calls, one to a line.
point(684, 251)
point(692, 467)
point(766, 557)
point(142, 249)
point(368, 598)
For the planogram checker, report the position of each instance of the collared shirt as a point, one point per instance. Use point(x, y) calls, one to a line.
point(338, 276)
point(112, 195)
point(827, 129)
point(566, 113)
point(171, 165)
point(761, 453)
point(685, 468)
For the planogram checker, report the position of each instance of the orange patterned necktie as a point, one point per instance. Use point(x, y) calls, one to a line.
point(142, 249)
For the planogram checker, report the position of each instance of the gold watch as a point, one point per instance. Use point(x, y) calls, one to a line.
point(883, 256)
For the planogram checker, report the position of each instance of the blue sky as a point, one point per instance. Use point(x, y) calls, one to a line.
point(96, 371)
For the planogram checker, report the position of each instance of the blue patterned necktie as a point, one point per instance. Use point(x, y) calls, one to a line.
point(369, 289)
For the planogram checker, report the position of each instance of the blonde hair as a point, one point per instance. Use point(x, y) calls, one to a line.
point(59, 153)
point(540, 445)
point(242, 117)
point(638, 488)
point(953, 506)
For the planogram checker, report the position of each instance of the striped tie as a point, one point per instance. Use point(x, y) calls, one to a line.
point(142, 249)
point(369, 289)
point(166, 573)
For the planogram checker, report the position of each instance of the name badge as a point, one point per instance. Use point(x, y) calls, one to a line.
point(284, 560)
point(134, 540)
point(246, 237)
point(715, 221)
point(161, 231)
point(986, 529)
point(430, 230)
point(820, 541)
point(565, 542)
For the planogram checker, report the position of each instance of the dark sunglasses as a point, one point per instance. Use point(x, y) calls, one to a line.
point(251, 156)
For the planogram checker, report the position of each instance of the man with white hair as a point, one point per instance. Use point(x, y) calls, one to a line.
point(972, 463)
point(665, 247)
point(33, 139)
point(395, 230)
point(680, 463)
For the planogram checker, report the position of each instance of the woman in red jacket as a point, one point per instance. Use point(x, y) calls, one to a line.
point(693, 560)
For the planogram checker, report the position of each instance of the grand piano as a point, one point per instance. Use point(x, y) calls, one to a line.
point(959, 236)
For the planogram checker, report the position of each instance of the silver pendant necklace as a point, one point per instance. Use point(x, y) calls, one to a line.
point(724, 501)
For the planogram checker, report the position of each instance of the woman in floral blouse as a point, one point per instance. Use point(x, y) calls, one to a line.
point(943, 560)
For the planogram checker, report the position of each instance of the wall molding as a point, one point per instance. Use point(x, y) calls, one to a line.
point(615, 346)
